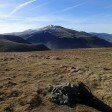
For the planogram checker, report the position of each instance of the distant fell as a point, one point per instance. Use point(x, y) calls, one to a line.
point(10, 43)
point(58, 37)
point(105, 36)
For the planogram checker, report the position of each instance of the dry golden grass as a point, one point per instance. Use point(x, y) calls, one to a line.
point(23, 74)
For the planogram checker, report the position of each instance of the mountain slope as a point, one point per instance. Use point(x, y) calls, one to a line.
point(13, 39)
point(8, 46)
point(57, 37)
point(14, 43)
point(104, 36)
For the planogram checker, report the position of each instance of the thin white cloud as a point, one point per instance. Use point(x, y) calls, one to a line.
point(21, 6)
point(72, 7)
point(69, 8)
point(41, 5)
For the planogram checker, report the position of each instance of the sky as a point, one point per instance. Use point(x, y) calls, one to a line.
point(81, 15)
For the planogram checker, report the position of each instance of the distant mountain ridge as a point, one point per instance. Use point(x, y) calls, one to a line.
point(50, 37)
point(13, 38)
point(104, 36)
point(10, 43)
point(58, 37)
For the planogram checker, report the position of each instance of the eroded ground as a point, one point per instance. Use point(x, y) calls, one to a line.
point(24, 78)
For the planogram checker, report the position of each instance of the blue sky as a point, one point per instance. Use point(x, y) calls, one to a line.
point(82, 15)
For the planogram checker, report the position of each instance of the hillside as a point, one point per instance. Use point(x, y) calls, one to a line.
point(7, 46)
point(57, 37)
point(105, 36)
point(10, 43)
point(13, 39)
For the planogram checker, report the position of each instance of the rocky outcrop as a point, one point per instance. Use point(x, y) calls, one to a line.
point(72, 94)
point(65, 94)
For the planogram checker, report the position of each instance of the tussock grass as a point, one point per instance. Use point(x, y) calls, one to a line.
point(22, 75)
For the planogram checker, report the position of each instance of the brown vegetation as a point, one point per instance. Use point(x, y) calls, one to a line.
point(24, 78)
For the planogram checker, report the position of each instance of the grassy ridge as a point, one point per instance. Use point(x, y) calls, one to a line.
point(8, 46)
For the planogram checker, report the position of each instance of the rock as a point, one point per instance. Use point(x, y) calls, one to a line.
point(64, 94)
point(71, 94)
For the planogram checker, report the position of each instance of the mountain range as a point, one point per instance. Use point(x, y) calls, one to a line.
point(14, 43)
point(50, 37)
point(104, 36)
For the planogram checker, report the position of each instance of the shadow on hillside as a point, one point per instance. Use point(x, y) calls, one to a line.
point(88, 99)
